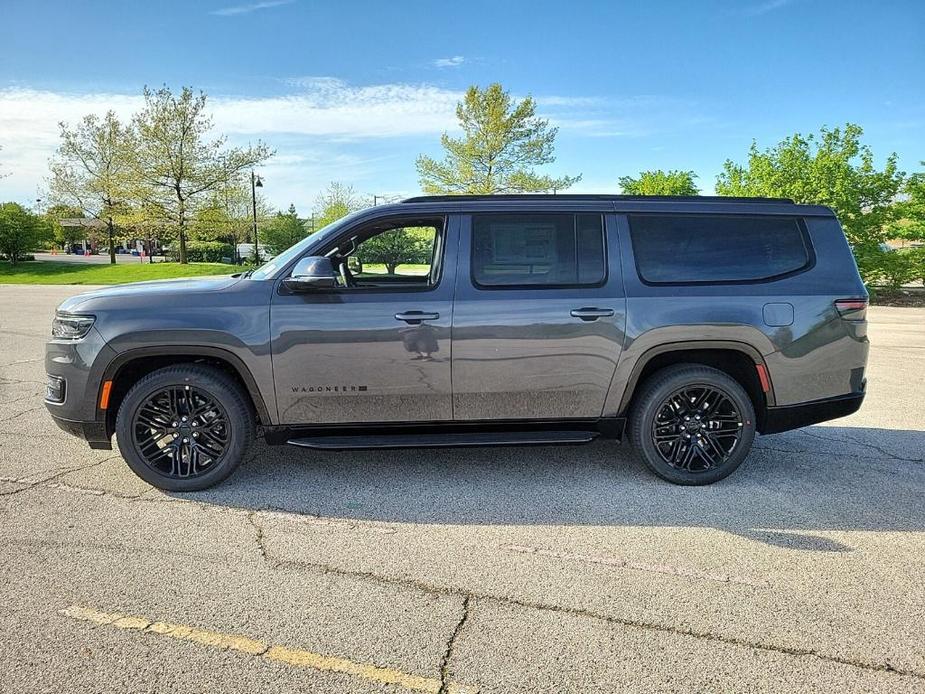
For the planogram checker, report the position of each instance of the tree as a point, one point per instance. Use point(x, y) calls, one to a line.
point(282, 231)
point(91, 170)
point(64, 235)
point(21, 231)
point(502, 142)
point(833, 169)
point(660, 182)
point(175, 164)
point(142, 220)
point(910, 211)
point(228, 215)
point(397, 247)
point(334, 202)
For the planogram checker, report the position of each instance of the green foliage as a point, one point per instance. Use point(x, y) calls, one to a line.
point(910, 211)
point(205, 252)
point(91, 172)
point(282, 231)
point(175, 164)
point(334, 202)
point(64, 236)
point(833, 169)
point(501, 144)
point(21, 231)
point(893, 269)
point(660, 182)
point(413, 245)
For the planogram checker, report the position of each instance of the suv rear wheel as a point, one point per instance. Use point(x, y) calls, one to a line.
point(692, 424)
point(185, 428)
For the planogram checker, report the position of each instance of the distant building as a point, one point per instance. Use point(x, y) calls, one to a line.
point(91, 228)
point(95, 235)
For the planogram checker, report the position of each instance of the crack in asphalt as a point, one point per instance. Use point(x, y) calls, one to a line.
point(450, 645)
point(20, 414)
point(31, 483)
point(37, 394)
point(297, 565)
point(258, 530)
point(854, 456)
point(859, 442)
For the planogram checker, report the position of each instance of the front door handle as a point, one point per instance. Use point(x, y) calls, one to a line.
point(415, 317)
point(589, 313)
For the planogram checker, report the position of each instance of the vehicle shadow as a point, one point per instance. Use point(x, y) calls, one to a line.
point(821, 478)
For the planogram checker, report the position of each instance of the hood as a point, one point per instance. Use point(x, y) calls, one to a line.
point(158, 290)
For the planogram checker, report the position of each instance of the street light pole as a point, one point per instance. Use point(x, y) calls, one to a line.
point(256, 182)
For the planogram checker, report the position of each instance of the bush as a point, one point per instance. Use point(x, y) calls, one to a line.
point(19, 259)
point(203, 251)
point(893, 269)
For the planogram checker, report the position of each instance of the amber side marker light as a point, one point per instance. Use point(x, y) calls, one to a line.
point(763, 377)
point(104, 395)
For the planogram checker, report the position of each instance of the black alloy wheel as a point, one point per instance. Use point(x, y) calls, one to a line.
point(697, 428)
point(180, 431)
point(692, 424)
point(186, 427)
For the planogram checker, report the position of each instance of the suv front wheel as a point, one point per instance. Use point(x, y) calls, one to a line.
point(692, 424)
point(185, 428)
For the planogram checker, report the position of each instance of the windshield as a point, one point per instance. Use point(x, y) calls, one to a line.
point(269, 269)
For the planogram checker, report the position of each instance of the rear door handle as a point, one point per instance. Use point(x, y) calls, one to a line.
point(589, 313)
point(415, 317)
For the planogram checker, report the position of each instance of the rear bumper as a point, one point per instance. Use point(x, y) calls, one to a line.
point(94, 433)
point(787, 417)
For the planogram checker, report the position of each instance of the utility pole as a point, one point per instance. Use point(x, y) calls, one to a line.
point(256, 182)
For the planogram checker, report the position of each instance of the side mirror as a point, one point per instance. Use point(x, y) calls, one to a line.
point(310, 274)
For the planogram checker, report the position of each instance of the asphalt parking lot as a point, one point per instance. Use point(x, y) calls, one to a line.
point(513, 570)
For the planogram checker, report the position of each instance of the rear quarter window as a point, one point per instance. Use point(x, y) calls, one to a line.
point(673, 249)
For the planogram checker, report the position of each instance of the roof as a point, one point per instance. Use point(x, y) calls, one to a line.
point(596, 198)
point(81, 222)
point(621, 204)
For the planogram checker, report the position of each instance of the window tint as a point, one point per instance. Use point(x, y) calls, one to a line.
point(537, 249)
point(701, 248)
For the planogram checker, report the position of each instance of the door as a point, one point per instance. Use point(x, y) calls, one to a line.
point(540, 315)
point(377, 347)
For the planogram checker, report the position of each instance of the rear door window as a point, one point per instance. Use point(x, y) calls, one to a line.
point(538, 250)
point(706, 248)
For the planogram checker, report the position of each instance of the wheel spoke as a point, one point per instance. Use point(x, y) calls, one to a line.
point(696, 428)
point(181, 431)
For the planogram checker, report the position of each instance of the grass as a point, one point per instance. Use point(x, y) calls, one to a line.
point(40, 272)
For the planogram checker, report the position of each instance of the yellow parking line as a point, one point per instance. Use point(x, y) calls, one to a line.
point(281, 654)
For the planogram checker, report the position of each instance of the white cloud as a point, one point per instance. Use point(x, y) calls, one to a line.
point(454, 61)
point(330, 107)
point(247, 9)
point(324, 129)
point(764, 7)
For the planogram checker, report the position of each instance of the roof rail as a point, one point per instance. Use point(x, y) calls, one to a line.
point(596, 197)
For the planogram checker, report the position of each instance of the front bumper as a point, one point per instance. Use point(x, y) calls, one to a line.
point(79, 365)
point(94, 433)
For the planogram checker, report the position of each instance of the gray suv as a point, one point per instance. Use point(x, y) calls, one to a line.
point(688, 324)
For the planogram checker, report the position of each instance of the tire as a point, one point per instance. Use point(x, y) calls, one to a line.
point(665, 397)
point(216, 440)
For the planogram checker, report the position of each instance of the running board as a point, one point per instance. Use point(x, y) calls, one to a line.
point(496, 438)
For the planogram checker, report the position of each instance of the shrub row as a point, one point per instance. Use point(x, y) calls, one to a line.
point(203, 251)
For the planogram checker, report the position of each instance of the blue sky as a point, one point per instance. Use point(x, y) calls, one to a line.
point(354, 91)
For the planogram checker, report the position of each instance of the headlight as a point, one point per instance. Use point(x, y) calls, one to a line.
point(67, 326)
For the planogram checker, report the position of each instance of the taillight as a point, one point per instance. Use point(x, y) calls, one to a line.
point(852, 309)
